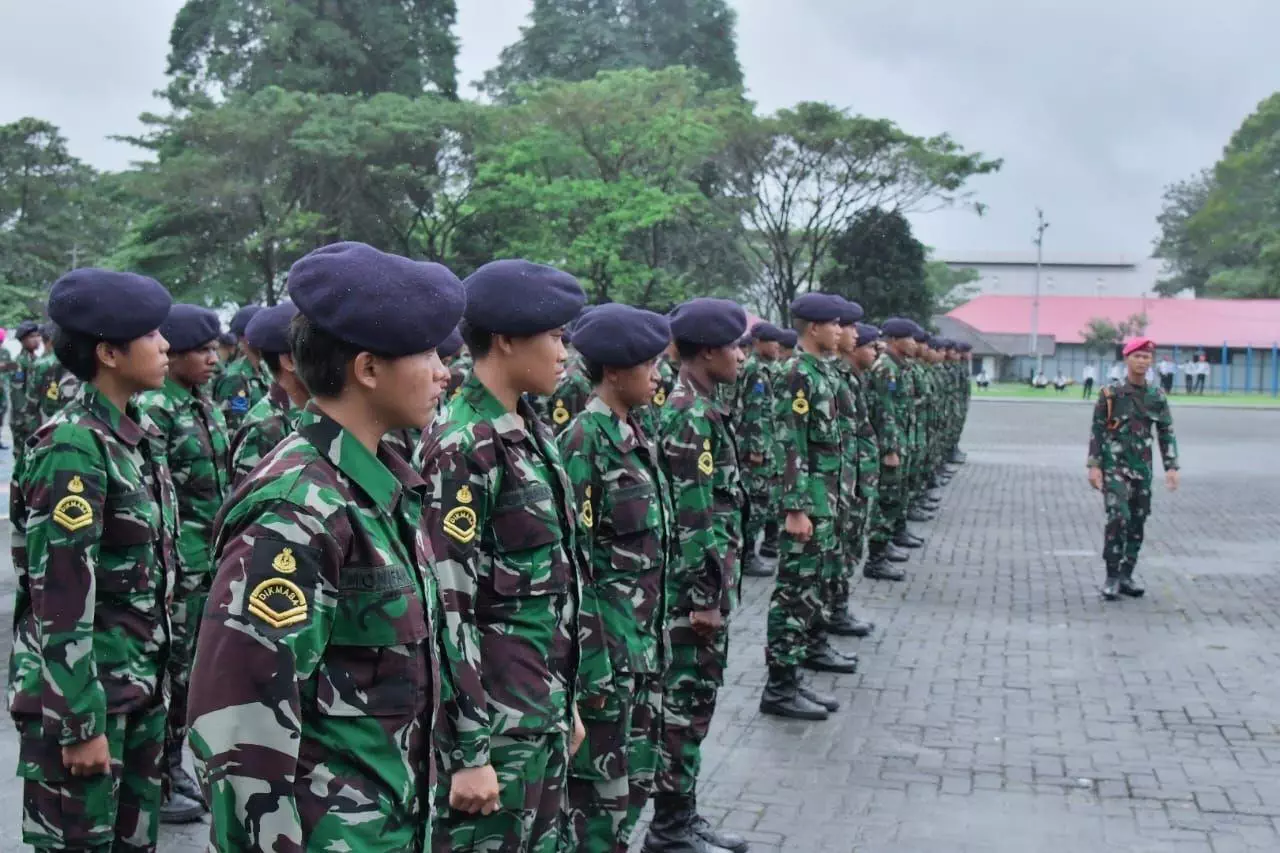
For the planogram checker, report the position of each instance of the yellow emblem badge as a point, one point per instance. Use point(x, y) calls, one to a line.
point(75, 485)
point(660, 397)
point(560, 415)
point(285, 563)
point(587, 516)
point(706, 462)
point(52, 391)
point(800, 405)
point(460, 522)
point(73, 513)
point(278, 602)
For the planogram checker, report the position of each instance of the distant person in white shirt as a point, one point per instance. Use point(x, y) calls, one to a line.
point(1202, 374)
point(1060, 382)
point(1041, 381)
point(1189, 373)
point(982, 379)
point(1116, 374)
point(1166, 375)
point(1090, 375)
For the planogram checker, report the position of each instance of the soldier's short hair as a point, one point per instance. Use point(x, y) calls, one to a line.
point(479, 341)
point(689, 350)
point(320, 358)
point(801, 326)
point(78, 352)
point(593, 370)
point(272, 360)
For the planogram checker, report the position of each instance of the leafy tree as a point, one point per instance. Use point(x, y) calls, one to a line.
point(949, 288)
point(220, 47)
point(1135, 325)
point(1101, 337)
point(809, 170)
point(577, 39)
point(1187, 265)
point(877, 263)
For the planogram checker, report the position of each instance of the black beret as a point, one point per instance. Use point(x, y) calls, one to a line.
point(789, 338)
point(818, 307)
point(521, 298)
point(188, 327)
point(616, 335)
point(765, 331)
point(268, 331)
point(851, 312)
point(965, 346)
point(450, 345)
point(708, 322)
point(26, 327)
point(240, 319)
point(227, 339)
point(867, 334)
point(383, 303)
point(897, 327)
point(114, 306)
point(921, 335)
point(47, 329)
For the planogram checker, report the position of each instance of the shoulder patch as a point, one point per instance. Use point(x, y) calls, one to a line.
point(660, 397)
point(799, 404)
point(73, 510)
point(587, 516)
point(560, 414)
point(280, 573)
point(240, 402)
point(758, 388)
point(706, 462)
point(459, 523)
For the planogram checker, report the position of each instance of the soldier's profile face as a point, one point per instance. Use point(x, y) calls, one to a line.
point(194, 367)
point(409, 388)
point(538, 361)
point(145, 364)
point(635, 386)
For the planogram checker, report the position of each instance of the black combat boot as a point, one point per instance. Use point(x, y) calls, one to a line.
point(1111, 589)
point(919, 515)
point(672, 829)
point(757, 567)
point(769, 543)
point(714, 838)
point(831, 703)
point(906, 539)
point(782, 697)
point(894, 554)
point(179, 779)
point(1129, 586)
point(878, 568)
point(845, 624)
point(823, 658)
point(933, 494)
point(957, 457)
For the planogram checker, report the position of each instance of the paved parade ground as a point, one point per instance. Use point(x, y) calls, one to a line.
point(1000, 705)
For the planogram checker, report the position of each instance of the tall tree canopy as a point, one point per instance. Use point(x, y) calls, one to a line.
point(347, 47)
point(879, 264)
point(577, 39)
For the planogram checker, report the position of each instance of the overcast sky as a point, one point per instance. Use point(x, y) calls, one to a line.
point(1094, 105)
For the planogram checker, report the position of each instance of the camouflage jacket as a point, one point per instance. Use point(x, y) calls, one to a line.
point(314, 684)
point(571, 394)
point(890, 404)
point(264, 426)
point(754, 426)
point(707, 492)
point(856, 432)
point(93, 547)
point(867, 435)
point(649, 417)
point(403, 441)
point(812, 437)
point(459, 370)
point(238, 388)
point(193, 440)
point(26, 403)
point(7, 367)
point(52, 386)
point(1120, 442)
point(500, 518)
point(625, 530)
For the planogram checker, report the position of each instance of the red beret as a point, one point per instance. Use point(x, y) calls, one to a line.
point(1135, 344)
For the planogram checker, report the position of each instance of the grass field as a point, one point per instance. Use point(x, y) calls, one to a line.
point(1014, 390)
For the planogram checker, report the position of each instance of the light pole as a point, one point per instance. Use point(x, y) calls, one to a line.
point(1041, 227)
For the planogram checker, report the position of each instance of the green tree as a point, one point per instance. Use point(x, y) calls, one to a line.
point(1187, 265)
point(1101, 337)
point(220, 47)
point(949, 288)
point(877, 263)
point(808, 171)
point(607, 179)
point(577, 39)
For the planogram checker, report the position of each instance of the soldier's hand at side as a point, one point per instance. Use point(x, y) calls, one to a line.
point(706, 622)
point(1095, 478)
point(579, 733)
point(755, 458)
point(1171, 479)
point(475, 789)
point(799, 526)
point(91, 758)
point(891, 460)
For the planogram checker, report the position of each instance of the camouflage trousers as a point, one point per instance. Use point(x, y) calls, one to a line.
point(189, 597)
point(891, 509)
point(762, 492)
point(117, 812)
point(693, 681)
point(798, 610)
point(611, 777)
point(1128, 503)
point(530, 819)
point(853, 546)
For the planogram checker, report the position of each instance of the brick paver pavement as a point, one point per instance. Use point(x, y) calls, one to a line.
point(1000, 705)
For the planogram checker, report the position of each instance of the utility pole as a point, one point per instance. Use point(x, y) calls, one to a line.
point(1041, 227)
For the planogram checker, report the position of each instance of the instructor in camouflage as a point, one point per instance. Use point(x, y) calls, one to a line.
point(93, 543)
point(315, 684)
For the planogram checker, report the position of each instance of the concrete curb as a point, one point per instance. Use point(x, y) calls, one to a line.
point(1239, 407)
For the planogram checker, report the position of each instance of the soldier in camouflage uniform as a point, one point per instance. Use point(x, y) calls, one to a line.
point(964, 381)
point(502, 523)
point(866, 351)
point(194, 443)
point(459, 364)
point(755, 430)
point(702, 585)
point(93, 547)
point(276, 415)
point(1120, 463)
point(810, 559)
point(6, 370)
point(243, 381)
point(650, 417)
point(23, 393)
point(316, 683)
point(625, 529)
point(891, 402)
point(52, 385)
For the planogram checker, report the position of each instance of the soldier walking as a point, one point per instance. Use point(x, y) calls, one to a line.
point(93, 543)
point(1120, 464)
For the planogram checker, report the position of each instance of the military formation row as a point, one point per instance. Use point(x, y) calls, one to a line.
point(396, 620)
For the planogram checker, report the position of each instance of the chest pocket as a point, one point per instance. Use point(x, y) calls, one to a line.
point(824, 423)
point(634, 516)
point(192, 464)
point(130, 527)
point(528, 557)
point(375, 664)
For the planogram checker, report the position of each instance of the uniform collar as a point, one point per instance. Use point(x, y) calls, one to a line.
point(279, 397)
point(123, 424)
point(383, 477)
point(512, 426)
point(618, 431)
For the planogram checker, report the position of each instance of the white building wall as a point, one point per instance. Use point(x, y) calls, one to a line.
point(1059, 277)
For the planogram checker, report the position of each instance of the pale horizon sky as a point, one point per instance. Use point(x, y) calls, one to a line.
point(1095, 106)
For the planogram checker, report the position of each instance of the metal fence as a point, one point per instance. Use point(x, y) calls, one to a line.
point(1235, 371)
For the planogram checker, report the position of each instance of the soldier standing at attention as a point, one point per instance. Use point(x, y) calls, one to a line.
point(96, 521)
point(702, 584)
point(1120, 463)
point(891, 401)
point(25, 402)
point(315, 683)
point(242, 382)
point(502, 524)
point(574, 388)
point(52, 385)
point(625, 529)
point(273, 417)
point(650, 417)
point(810, 553)
point(451, 354)
point(866, 351)
point(194, 442)
point(6, 370)
point(756, 434)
